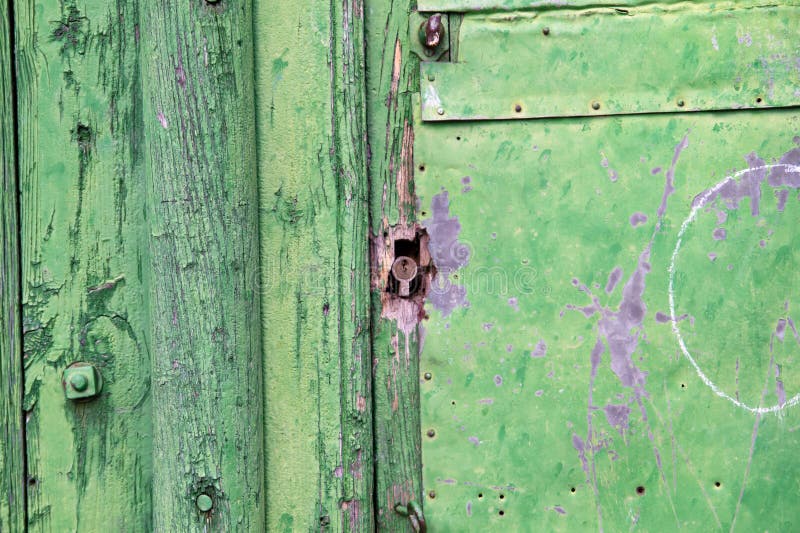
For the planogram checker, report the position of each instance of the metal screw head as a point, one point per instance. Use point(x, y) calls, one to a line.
point(428, 376)
point(440, 111)
point(681, 103)
point(595, 105)
point(81, 381)
point(546, 30)
point(431, 433)
point(204, 503)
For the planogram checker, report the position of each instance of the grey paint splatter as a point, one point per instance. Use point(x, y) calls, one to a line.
point(540, 350)
point(638, 219)
point(448, 256)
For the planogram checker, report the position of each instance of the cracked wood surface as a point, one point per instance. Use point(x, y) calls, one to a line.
point(12, 480)
point(392, 78)
point(314, 224)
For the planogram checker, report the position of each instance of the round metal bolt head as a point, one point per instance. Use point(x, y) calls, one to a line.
point(546, 30)
point(431, 433)
point(428, 376)
point(204, 503)
point(404, 268)
point(681, 103)
point(79, 382)
point(440, 111)
point(595, 105)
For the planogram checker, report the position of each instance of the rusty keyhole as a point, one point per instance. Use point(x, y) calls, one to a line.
point(409, 267)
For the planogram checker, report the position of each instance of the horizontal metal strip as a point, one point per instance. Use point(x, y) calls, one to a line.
point(575, 64)
point(464, 6)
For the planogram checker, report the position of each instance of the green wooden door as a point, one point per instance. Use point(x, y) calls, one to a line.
point(611, 198)
point(277, 266)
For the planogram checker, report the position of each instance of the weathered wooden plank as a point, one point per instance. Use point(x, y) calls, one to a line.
point(312, 171)
point(202, 272)
point(392, 77)
point(81, 205)
point(12, 463)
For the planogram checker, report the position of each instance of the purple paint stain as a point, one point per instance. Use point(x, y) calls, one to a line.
point(669, 187)
point(474, 440)
point(579, 446)
point(612, 175)
point(780, 391)
point(448, 255)
point(782, 195)
point(762, 243)
point(613, 279)
point(498, 380)
point(638, 219)
point(469, 508)
point(465, 180)
point(487, 326)
point(509, 348)
point(780, 329)
point(713, 257)
point(559, 509)
point(722, 216)
point(540, 350)
point(655, 171)
point(486, 401)
point(720, 234)
point(539, 392)
point(617, 416)
point(513, 302)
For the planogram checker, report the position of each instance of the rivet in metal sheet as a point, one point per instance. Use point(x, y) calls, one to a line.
point(440, 111)
point(681, 103)
point(432, 494)
point(204, 503)
point(428, 376)
point(431, 433)
point(546, 30)
point(431, 77)
point(595, 105)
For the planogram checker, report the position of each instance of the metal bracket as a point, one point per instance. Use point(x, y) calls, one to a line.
point(414, 513)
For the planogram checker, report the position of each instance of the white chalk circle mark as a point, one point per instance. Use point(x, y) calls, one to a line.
point(711, 193)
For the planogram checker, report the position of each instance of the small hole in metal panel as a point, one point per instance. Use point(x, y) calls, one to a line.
point(640, 490)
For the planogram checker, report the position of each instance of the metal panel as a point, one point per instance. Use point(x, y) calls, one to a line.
point(612, 340)
point(598, 63)
point(545, 5)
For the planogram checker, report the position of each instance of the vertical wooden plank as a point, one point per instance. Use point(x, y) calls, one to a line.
point(392, 79)
point(312, 171)
point(81, 205)
point(202, 273)
point(12, 463)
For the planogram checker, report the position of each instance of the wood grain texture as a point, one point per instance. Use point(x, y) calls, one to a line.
point(392, 77)
point(312, 171)
point(12, 463)
point(202, 272)
point(81, 205)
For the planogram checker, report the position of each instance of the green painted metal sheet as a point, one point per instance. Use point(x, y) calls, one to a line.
point(583, 63)
point(612, 336)
point(547, 5)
